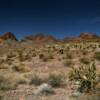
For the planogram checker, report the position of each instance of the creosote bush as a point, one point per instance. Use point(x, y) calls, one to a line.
point(34, 55)
point(56, 80)
point(46, 57)
point(68, 63)
point(61, 51)
point(69, 56)
point(36, 80)
point(6, 83)
point(84, 52)
point(21, 68)
point(41, 56)
point(87, 77)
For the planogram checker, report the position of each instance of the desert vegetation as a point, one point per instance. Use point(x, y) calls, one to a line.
point(65, 71)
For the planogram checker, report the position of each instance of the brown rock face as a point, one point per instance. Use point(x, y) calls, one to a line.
point(88, 35)
point(8, 35)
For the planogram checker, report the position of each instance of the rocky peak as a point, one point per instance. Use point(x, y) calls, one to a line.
point(9, 35)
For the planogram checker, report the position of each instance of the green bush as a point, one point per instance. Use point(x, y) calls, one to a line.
point(86, 76)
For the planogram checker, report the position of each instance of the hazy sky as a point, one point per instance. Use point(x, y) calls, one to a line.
point(58, 17)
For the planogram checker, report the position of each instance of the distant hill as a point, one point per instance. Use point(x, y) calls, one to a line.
point(84, 36)
point(49, 39)
point(88, 35)
point(41, 38)
point(8, 36)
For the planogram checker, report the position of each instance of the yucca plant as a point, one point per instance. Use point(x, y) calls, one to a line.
point(86, 75)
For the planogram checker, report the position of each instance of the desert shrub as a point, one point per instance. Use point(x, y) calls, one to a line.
point(20, 55)
point(61, 51)
point(68, 63)
point(97, 55)
point(50, 56)
point(21, 68)
point(23, 80)
point(68, 48)
point(69, 56)
point(41, 56)
point(84, 52)
point(34, 54)
point(99, 46)
point(87, 77)
point(6, 84)
point(1, 98)
point(85, 60)
point(36, 80)
point(46, 57)
point(56, 80)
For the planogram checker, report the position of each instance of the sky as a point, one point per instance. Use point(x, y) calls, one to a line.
point(61, 18)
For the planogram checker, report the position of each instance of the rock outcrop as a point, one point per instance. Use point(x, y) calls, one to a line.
point(7, 36)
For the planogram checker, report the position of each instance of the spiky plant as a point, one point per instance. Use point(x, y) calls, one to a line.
point(86, 75)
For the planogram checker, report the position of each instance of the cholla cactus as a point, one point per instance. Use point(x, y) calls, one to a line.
point(86, 75)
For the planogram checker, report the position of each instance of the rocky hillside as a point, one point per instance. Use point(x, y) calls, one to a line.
point(41, 38)
point(7, 36)
point(88, 35)
point(84, 36)
point(49, 39)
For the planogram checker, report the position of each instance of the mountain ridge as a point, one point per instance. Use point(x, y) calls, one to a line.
point(41, 38)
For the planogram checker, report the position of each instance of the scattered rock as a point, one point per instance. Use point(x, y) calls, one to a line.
point(76, 94)
point(44, 89)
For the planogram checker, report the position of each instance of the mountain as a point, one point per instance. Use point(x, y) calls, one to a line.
point(49, 39)
point(41, 38)
point(88, 35)
point(84, 36)
point(8, 36)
